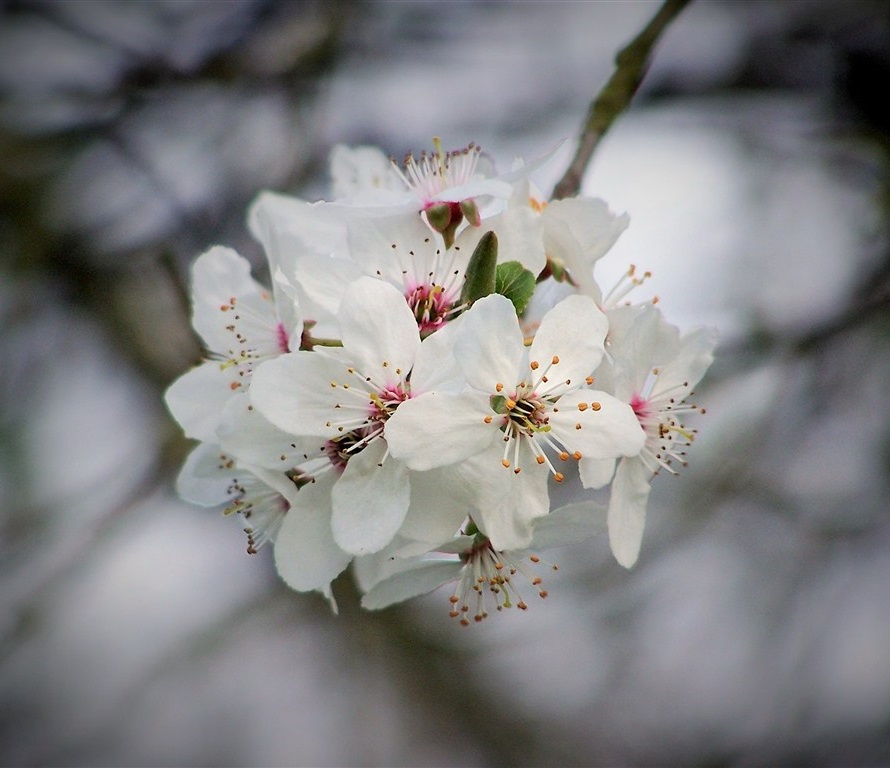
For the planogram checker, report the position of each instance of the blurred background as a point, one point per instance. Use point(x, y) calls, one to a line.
point(134, 628)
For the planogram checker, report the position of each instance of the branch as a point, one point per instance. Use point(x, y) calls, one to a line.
point(631, 63)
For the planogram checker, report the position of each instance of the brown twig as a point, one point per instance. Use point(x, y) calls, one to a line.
point(631, 64)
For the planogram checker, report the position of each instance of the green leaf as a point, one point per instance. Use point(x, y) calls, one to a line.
point(516, 283)
point(480, 281)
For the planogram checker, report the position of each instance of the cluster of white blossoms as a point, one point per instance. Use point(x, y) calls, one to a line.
point(434, 355)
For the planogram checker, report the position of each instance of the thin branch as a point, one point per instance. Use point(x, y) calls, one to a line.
point(631, 62)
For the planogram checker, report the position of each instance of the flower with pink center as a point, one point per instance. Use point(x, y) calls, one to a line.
point(344, 397)
point(653, 369)
point(242, 325)
point(276, 508)
point(485, 577)
point(523, 412)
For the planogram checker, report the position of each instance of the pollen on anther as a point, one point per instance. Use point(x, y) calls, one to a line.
point(596, 406)
point(534, 365)
point(540, 459)
point(511, 404)
point(577, 455)
point(487, 419)
point(563, 456)
point(559, 477)
point(555, 359)
point(505, 463)
point(582, 406)
point(589, 380)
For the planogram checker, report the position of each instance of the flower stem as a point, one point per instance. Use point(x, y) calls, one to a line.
point(631, 64)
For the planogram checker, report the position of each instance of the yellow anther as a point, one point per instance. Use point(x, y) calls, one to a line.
point(559, 477)
point(540, 459)
point(487, 419)
point(595, 405)
point(582, 406)
point(555, 359)
point(534, 365)
point(505, 463)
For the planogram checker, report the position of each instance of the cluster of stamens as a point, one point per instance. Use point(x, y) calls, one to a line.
point(258, 504)
point(488, 575)
point(244, 354)
point(666, 437)
point(525, 417)
point(431, 290)
point(628, 282)
point(432, 173)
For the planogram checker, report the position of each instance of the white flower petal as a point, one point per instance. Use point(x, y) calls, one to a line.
point(370, 500)
point(596, 473)
point(305, 553)
point(244, 432)
point(438, 429)
point(577, 232)
point(363, 174)
point(197, 398)
point(490, 346)
point(507, 504)
point(404, 585)
point(597, 425)
point(572, 333)
point(219, 275)
point(627, 510)
point(294, 393)
point(204, 479)
point(435, 367)
point(695, 356)
point(395, 248)
point(569, 524)
point(378, 330)
point(519, 233)
point(439, 506)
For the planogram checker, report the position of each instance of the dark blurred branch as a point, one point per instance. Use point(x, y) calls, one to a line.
point(631, 62)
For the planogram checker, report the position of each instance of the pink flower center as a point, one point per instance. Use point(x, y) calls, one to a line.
point(283, 340)
point(431, 305)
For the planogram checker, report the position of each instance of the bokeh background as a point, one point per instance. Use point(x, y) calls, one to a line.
point(134, 629)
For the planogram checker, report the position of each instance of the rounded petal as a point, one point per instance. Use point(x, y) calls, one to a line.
point(295, 393)
point(694, 358)
point(507, 504)
point(577, 232)
point(219, 276)
point(627, 510)
point(572, 333)
point(435, 367)
point(570, 524)
point(197, 398)
point(519, 233)
point(439, 506)
point(206, 476)
point(379, 330)
point(438, 429)
point(370, 500)
point(490, 346)
point(244, 432)
point(400, 249)
point(416, 581)
point(596, 473)
point(597, 425)
point(305, 553)
point(360, 172)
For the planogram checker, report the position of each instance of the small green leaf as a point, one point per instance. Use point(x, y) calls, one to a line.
point(480, 281)
point(516, 283)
